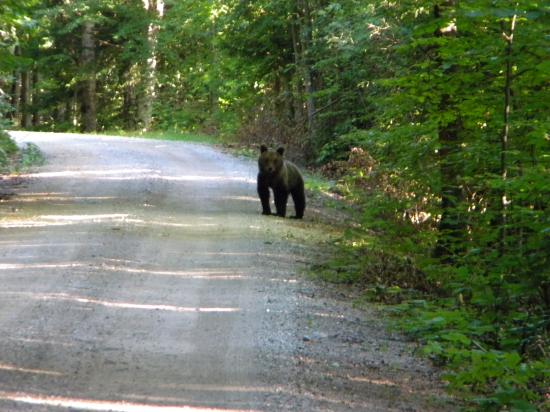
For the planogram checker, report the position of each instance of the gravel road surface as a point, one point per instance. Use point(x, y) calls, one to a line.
point(139, 275)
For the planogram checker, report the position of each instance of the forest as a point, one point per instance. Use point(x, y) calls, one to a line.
point(431, 117)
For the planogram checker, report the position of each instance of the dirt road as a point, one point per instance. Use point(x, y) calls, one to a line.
point(140, 276)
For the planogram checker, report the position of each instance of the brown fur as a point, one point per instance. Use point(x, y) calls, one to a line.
point(284, 178)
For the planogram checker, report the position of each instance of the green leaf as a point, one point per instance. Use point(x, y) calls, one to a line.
point(522, 406)
point(457, 338)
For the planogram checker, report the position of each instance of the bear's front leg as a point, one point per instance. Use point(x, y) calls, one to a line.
point(263, 192)
point(299, 198)
point(281, 198)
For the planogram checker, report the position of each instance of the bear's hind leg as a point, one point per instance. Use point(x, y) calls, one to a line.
point(281, 198)
point(299, 198)
point(263, 193)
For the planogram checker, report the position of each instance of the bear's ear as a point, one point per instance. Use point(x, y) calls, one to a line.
point(263, 148)
point(281, 150)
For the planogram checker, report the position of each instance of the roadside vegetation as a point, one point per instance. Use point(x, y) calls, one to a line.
point(174, 136)
point(14, 159)
point(431, 117)
point(7, 149)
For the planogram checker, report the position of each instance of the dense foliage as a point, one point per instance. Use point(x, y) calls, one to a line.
point(433, 115)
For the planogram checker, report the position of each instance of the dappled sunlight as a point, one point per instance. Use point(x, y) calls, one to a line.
point(207, 274)
point(241, 198)
point(279, 280)
point(104, 405)
point(220, 388)
point(278, 256)
point(12, 244)
point(66, 220)
point(277, 389)
point(39, 342)
point(403, 384)
point(198, 178)
point(137, 174)
point(31, 266)
point(12, 368)
point(129, 172)
point(34, 197)
point(85, 218)
point(168, 224)
point(328, 394)
point(380, 383)
point(65, 297)
point(328, 315)
point(371, 381)
point(40, 194)
point(62, 220)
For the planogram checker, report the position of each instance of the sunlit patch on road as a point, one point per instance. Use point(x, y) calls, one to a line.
point(104, 405)
point(20, 266)
point(143, 222)
point(13, 368)
point(62, 220)
point(128, 172)
point(137, 174)
point(57, 197)
point(120, 305)
point(214, 275)
point(241, 198)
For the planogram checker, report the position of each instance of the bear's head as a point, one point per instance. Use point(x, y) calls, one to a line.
point(270, 162)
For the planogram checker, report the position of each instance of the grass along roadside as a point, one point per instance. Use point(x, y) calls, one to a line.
point(494, 357)
point(166, 135)
point(480, 360)
point(14, 159)
point(8, 150)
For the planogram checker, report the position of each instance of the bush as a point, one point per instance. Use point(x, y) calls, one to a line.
point(8, 148)
point(485, 314)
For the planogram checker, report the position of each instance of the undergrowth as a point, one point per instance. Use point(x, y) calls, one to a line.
point(14, 159)
point(481, 316)
point(493, 364)
point(30, 155)
point(8, 149)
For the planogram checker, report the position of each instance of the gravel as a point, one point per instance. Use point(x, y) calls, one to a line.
point(139, 275)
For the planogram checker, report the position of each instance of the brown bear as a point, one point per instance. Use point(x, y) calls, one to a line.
point(284, 178)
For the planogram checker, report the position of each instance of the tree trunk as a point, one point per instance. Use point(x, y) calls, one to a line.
point(16, 91)
point(148, 92)
point(306, 43)
point(60, 114)
point(297, 84)
point(451, 225)
point(73, 108)
point(88, 86)
point(26, 99)
point(509, 38)
point(36, 117)
point(128, 112)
